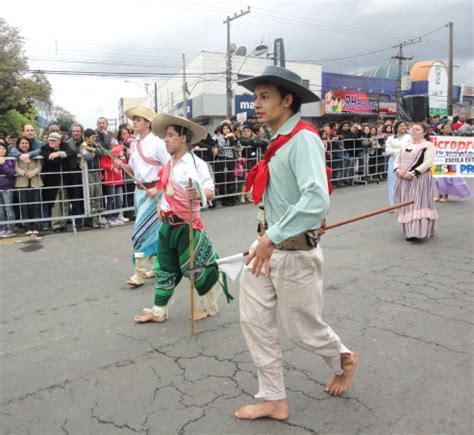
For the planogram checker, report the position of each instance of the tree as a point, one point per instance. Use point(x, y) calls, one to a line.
point(18, 91)
point(62, 117)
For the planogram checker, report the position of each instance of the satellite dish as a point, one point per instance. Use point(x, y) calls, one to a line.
point(232, 48)
point(260, 49)
point(241, 51)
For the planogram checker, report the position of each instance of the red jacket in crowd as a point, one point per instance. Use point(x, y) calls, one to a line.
point(112, 176)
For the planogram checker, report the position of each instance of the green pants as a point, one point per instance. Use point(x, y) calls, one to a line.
point(172, 262)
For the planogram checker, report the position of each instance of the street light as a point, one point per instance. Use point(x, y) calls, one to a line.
point(260, 49)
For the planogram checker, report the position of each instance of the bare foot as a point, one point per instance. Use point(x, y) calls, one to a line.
point(339, 384)
point(134, 283)
point(275, 409)
point(199, 315)
point(148, 317)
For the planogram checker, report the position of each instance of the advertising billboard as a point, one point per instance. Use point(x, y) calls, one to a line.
point(356, 102)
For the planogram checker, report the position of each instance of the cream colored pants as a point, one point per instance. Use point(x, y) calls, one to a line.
point(296, 286)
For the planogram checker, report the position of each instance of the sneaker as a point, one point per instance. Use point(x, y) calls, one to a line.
point(29, 233)
point(2, 233)
point(35, 232)
point(103, 220)
point(115, 222)
point(99, 225)
point(123, 219)
point(10, 233)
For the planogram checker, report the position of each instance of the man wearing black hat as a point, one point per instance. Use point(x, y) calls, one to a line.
point(284, 266)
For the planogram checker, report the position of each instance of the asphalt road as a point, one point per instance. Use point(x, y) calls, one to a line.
point(72, 360)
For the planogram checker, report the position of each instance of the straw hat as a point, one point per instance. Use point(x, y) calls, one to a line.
point(285, 78)
point(162, 121)
point(142, 112)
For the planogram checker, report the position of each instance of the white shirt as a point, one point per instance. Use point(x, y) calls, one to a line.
point(153, 148)
point(394, 144)
point(190, 166)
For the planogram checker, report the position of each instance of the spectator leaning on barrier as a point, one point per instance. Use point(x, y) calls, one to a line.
point(103, 136)
point(28, 182)
point(343, 162)
point(228, 148)
point(59, 160)
point(11, 139)
point(91, 154)
point(113, 184)
point(125, 138)
point(466, 129)
point(75, 193)
point(64, 132)
point(35, 144)
point(7, 181)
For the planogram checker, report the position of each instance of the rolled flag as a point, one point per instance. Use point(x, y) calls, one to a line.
point(231, 265)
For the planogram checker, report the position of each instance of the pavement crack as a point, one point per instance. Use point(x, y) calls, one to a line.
point(101, 420)
point(63, 427)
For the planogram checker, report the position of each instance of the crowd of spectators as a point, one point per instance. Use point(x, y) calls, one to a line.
point(43, 180)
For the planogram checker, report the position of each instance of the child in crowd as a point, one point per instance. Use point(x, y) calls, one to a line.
point(28, 181)
point(91, 154)
point(7, 181)
point(113, 184)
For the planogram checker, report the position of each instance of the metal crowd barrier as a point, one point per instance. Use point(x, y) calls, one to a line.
point(82, 197)
point(356, 161)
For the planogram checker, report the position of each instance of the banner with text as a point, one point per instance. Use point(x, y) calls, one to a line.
point(339, 102)
point(454, 156)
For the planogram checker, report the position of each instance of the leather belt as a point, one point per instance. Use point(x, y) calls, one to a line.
point(147, 185)
point(301, 242)
point(171, 219)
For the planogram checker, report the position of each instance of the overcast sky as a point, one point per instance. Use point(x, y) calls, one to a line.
point(147, 36)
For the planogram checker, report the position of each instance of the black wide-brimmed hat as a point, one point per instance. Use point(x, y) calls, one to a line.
point(286, 79)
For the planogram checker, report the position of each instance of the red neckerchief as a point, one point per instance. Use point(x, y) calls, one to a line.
point(258, 176)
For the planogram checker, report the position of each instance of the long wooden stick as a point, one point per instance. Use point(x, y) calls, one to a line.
point(191, 259)
point(348, 221)
point(368, 214)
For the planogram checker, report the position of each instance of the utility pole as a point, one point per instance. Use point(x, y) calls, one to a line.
point(450, 70)
point(185, 89)
point(400, 59)
point(156, 98)
point(229, 60)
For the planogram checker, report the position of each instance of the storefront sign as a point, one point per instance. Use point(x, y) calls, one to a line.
point(245, 103)
point(339, 102)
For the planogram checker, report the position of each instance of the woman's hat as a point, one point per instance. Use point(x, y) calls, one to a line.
point(142, 112)
point(162, 121)
point(282, 77)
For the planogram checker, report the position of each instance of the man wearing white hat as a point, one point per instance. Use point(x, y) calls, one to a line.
point(173, 253)
point(284, 267)
point(148, 157)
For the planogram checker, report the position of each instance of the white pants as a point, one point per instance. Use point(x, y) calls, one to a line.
point(296, 285)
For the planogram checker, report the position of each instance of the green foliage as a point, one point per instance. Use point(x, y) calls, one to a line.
point(62, 117)
point(17, 90)
point(14, 121)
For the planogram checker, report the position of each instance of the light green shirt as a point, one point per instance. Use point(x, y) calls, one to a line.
point(297, 198)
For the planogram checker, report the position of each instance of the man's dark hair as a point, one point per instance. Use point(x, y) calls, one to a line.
point(13, 135)
point(64, 128)
point(183, 131)
point(295, 106)
point(88, 132)
point(74, 125)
